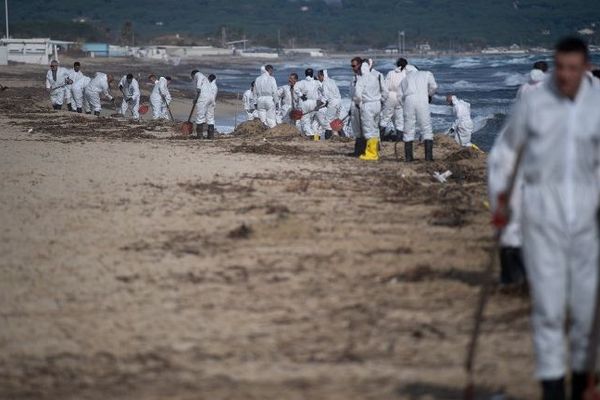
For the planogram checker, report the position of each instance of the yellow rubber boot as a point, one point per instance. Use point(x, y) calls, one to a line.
point(372, 150)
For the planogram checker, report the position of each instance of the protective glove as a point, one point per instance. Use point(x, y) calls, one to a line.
point(304, 98)
point(501, 215)
point(430, 99)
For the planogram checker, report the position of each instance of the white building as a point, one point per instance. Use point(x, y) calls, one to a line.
point(310, 52)
point(33, 51)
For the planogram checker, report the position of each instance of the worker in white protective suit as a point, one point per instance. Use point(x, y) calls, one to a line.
point(557, 130)
point(392, 112)
point(205, 106)
point(249, 103)
point(201, 84)
point(416, 91)
point(130, 88)
point(211, 102)
point(265, 93)
point(78, 100)
point(74, 75)
point(537, 77)
point(367, 97)
point(512, 266)
point(462, 128)
point(99, 85)
point(331, 97)
point(287, 102)
point(57, 79)
point(307, 93)
point(360, 143)
point(160, 97)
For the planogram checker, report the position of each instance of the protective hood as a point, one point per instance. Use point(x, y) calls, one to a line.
point(410, 68)
point(454, 99)
point(325, 73)
point(537, 75)
point(365, 68)
point(263, 69)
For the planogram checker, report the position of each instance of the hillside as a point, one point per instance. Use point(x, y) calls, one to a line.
point(340, 23)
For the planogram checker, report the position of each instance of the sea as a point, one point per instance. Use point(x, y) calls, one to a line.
point(488, 83)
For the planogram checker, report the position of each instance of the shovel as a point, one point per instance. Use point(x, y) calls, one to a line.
point(297, 114)
point(187, 127)
point(169, 108)
point(338, 124)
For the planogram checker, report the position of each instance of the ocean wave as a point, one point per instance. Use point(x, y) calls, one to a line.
point(466, 63)
point(515, 79)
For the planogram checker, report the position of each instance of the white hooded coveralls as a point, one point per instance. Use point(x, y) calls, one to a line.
point(73, 76)
point(561, 140)
point(160, 98)
point(284, 95)
point(463, 126)
point(265, 93)
point(330, 94)
point(536, 79)
point(77, 91)
point(206, 103)
point(511, 235)
point(97, 86)
point(131, 96)
point(392, 112)
point(415, 90)
point(249, 105)
point(367, 97)
point(57, 85)
point(308, 87)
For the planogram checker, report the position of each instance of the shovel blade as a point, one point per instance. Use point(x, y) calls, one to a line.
point(187, 128)
point(337, 125)
point(296, 114)
point(143, 109)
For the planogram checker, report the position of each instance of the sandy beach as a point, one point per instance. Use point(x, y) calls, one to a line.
point(140, 264)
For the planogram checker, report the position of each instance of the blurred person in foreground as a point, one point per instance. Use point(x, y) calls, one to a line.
point(556, 130)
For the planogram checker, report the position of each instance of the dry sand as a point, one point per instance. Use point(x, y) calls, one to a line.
point(139, 265)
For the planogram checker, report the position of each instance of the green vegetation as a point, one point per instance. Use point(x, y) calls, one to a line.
point(348, 24)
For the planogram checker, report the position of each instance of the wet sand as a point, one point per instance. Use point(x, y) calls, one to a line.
point(139, 264)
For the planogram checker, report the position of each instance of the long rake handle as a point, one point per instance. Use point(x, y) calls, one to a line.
point(469, 393)
point(193, 106)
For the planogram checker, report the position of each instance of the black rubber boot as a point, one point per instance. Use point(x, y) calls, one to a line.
point(428, 150)
point(79, 110)
point(211, 132)
point(97, 113)
point(88, 112)
point(360, 145)
point(408, 152)
point(399, 135)
point(342, 133)
point(56, 106)
point(512, 269)
point(328, 134)
point(69, 107)
point(200, 128)
point(553, 389)
point(383, 137)
point(579, 382)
